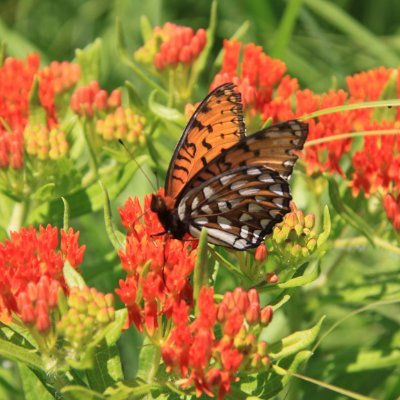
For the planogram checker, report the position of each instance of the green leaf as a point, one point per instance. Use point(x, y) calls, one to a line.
point(324, 235)
point(146, 28)
point(279, 379)
point(302, 280)
point(285, 29)
point(89, 61)
point(44, 193)
point(13, 352)
point(106, 370)
point(164, 112)
point(375, 359)
point(72, 277)
point(201, 62)
point(110, 228)
point(149, 361)
point(200, 275)
point(76, 392)
point(86, 200)
point(294, 343)
point(123, 53)
point(33, 387)
point(347, 213)
point(337, 17)
point(114, 330)
point(37, 114)
point(389, 92)
point(130, 390)
point(134, 98)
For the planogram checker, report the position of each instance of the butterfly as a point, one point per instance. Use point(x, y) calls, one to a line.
point(235, 186)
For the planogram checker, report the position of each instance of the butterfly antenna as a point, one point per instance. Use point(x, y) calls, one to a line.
point(137, 164)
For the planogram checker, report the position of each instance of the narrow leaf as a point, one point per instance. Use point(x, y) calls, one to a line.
point(89, 61)
point(110, 228)
point(164, 112)
point(294, 343)
point(72, 277)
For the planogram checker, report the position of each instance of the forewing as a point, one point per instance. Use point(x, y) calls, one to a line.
point(216, 125)
point(238, 208)
point(275, 148)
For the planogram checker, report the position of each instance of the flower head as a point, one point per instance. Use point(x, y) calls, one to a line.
point(208, 362)
point(31, 271)
point(171, 45)
point(157, 267)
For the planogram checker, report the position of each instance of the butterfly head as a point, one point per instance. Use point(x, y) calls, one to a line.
point(164, 207)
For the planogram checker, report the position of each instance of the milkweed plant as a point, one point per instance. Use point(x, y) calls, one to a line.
point(194, 319)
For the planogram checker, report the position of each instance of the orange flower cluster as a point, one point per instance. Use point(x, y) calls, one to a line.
point(171, 45)
point(256, 76)
point(157, 268)
point(89, 99)
point(179, 44)
point(208, 363)
point(267, 91)
point(31, 275)
point(16, 80)
point(392, 208)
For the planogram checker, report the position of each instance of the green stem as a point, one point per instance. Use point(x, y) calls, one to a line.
point(333, 388)
point(18, 216)
point(362, 241)
point(353, 106)
point(348, 135)
point(90, 140)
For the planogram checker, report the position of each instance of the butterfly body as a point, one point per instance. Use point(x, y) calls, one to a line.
point(235, 186)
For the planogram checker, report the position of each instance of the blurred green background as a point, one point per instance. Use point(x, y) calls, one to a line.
point(321, 42)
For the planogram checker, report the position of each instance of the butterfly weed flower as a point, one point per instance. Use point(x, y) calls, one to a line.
point(256, 75)
point(210, 351)
point(171, 45)
point(31, 275)
point(392, 208)
point(157, 268)
point(90, 100)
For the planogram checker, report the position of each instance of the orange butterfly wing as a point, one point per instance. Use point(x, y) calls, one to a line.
point(216, 125)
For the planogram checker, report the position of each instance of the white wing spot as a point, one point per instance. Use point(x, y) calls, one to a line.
point(224, 223)
point(277, 188)
point(238, 184)
point(245, 217)
point(207, 209)
point(253, 171)
point(223, 206)
point(225, 179)
point(240, 244)
point(201, 220)
point(244, 231)
point(256, 236)
point(288, 163)
point(208, 192)
point(195, 203)
point(222, 236)
point(182, 209)
point(266, 178)
point(248, 191)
